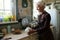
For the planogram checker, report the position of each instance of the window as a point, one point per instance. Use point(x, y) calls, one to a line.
point(5, 10)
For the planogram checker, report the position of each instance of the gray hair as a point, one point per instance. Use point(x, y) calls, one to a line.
point(41, 3)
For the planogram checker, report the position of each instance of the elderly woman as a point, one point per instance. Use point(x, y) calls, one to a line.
point(43, 28)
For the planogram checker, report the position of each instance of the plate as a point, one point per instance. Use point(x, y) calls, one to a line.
point(25, 21)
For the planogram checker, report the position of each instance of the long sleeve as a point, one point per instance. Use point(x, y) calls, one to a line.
point(46, 23)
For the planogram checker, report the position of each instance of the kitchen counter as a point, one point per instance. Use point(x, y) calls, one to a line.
point(22, 36)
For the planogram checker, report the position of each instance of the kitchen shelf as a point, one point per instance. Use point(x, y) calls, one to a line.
point(12, 22)
point(8, 24)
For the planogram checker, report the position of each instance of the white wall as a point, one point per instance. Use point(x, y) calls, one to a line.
point(54, 19)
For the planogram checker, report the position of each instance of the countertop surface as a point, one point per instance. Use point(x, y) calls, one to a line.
point(16, 36)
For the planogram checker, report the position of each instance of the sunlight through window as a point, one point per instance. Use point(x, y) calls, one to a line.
point(6, 7)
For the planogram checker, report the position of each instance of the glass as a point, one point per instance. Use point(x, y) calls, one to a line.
point(1, 4)
point(7, 10)
point(7, 4)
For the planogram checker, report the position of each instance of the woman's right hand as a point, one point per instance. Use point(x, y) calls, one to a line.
point(31, 31)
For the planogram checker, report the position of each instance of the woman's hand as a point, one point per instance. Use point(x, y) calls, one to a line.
point(31, 31)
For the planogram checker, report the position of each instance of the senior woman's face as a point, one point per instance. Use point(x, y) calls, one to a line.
point(40, 8)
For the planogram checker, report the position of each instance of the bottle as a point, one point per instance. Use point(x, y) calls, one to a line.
point(13, 18)
point(1, 19)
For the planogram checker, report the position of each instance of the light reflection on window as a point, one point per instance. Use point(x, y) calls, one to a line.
point(5, 9)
